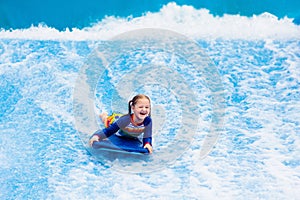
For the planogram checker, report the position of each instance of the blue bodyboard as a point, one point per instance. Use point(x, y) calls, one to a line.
point(117, 143)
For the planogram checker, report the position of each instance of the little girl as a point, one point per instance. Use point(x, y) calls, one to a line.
point(132, 125)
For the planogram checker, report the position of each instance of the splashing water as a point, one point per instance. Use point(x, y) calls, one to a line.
point(256, 156)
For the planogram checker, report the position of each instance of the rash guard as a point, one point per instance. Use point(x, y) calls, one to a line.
point(126, 128)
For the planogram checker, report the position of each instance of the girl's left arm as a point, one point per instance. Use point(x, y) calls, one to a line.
point(147, 139)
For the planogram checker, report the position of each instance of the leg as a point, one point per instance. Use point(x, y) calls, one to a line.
point(108, 120)
point(103, 117)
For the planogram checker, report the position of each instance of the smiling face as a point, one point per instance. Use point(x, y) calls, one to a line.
point(141, 109)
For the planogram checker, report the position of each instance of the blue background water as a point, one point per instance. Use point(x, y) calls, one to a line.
point(67, 13)
point(257, 155)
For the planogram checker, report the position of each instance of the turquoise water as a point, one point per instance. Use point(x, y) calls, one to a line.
point(230, 81)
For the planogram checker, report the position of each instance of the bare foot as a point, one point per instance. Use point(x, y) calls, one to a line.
point(103, 117)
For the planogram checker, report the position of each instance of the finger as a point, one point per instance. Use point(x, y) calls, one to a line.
point(149, 148)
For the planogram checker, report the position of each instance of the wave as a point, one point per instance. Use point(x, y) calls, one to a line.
point(187, 20)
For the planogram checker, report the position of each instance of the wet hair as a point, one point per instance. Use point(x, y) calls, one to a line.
point(134, 100)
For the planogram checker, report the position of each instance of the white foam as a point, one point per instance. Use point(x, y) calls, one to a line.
point(194, 23)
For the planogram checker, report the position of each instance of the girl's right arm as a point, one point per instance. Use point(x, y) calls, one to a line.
point(104, 133)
